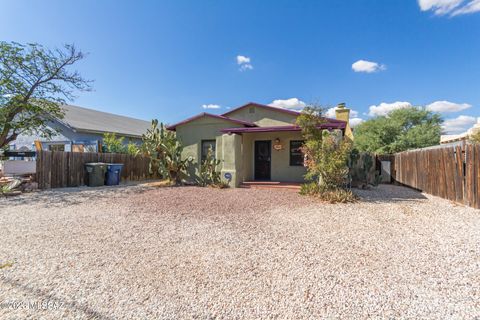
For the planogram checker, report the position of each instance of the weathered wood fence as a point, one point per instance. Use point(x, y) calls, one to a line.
point(57, 169)
point(450, 172)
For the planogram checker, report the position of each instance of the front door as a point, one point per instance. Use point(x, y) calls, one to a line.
point(263, 157)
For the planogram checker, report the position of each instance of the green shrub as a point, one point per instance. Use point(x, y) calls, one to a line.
point(331, 195)
point(326, 158)
point(112, 144)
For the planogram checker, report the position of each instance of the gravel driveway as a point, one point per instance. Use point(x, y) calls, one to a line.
point(173, 253)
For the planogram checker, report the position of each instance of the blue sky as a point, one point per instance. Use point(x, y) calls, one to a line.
point(167, 59)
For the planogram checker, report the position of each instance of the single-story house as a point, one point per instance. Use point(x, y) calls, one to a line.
point(82, 130)
point(253, 142)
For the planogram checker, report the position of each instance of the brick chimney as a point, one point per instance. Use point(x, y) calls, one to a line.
point(343, 113)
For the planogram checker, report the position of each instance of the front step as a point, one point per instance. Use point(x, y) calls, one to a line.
point(270, 185)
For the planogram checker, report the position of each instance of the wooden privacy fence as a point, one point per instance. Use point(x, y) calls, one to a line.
point(58, 169)
point(451, 172)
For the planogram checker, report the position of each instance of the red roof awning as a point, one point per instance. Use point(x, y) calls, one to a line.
point(328, 126)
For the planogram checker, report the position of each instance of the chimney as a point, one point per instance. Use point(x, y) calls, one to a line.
point(343, 113)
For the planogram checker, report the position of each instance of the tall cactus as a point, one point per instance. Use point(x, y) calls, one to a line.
point(165, 152)
point(209, 175)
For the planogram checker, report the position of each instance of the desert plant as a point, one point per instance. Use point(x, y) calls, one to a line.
point(209, 175)
point(326, 155)
point(331, 195)
point(165, 152)
point(362, 169)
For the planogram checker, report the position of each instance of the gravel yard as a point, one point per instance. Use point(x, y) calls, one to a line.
point(174, 253)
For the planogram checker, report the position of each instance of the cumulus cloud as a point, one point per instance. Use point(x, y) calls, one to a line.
point(450, 7)
point(354, 119)
point(459, 124)
point(447, 106)
point(211, 106)
point(355, 122)
point(330, 113)
point(367, 66)
point(292, 104)
point(244, 63)
point(385, 108)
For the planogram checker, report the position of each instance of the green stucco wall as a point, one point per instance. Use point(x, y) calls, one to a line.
point(264, 117)
point(280, 165)
point(191, 135)
point(236, 152)
point(232, 159)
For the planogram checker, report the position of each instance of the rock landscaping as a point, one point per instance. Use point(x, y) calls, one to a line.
point(143, 252)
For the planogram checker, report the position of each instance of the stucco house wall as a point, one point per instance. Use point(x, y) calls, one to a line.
point(191, 135)
point(235, 133)
point(262, 117)
point(281, 170)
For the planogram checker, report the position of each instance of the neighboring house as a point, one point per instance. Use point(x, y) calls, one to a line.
point(253, 142)
point(455, 138)
point(82, 130)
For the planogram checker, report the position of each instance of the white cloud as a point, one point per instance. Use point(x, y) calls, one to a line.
point(447, 106)
point(471, 7)
point(330, 113)
point(385, 108)
point(292, 103)
point(459, 124)
point(244, 63)
point(355, 122)
point(354, 119)
point(367, 66)
point(211, 106)
point(450, 7)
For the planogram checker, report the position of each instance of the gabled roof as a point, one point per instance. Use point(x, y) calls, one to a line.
point(292, 112)
point(89, 120)
point(205, 114)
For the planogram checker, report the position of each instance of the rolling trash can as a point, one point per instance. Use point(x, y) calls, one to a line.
point(114, 171)
point(96, 173)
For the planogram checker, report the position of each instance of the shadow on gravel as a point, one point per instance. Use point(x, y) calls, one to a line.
point(43, 296)
point(71, 196)
point(389, 193)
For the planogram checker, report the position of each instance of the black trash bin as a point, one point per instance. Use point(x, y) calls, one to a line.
point(114, 171)
point(96, 173)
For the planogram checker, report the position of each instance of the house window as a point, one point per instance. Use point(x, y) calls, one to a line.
point(56, 147)
point(207, 144)
point(296, 155)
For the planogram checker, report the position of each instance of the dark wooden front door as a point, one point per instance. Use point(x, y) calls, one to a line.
point(263, 159)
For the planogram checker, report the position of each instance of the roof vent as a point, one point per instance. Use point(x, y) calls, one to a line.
point(251, 110)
